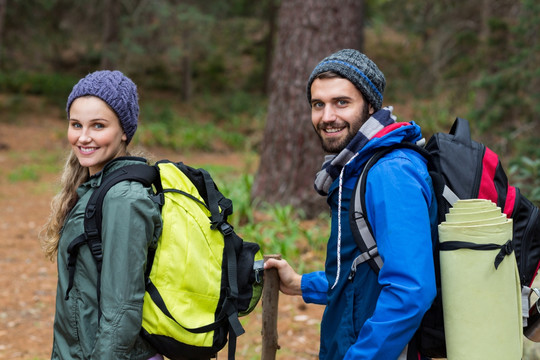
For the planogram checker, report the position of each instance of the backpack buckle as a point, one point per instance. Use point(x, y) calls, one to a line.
point(158, 198)
point(90, 211)
point(226, 229)
point(258, 268)
point(92, 234)
point(96, 249)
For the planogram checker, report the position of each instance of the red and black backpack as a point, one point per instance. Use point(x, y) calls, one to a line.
point(460, 168)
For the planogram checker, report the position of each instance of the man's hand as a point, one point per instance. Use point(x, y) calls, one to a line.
point(289, 280)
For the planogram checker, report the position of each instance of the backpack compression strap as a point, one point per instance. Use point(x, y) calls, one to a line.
point(504, 249)
point(361, 228)
point(233, 245)
point(143, 173)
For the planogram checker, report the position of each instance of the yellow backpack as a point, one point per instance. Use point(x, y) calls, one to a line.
point(202, 275)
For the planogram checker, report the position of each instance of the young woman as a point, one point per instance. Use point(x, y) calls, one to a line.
point(103, 111)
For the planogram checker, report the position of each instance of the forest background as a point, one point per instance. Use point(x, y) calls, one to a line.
point(212, 74)
point(204, 70)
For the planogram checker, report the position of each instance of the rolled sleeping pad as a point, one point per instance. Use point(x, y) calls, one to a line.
point(475, 204)
point(473, 219)
point(481, 303)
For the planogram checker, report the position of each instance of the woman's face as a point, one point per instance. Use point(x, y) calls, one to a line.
point(95, 133)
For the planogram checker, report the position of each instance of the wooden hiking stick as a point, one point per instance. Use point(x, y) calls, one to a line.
point(270, 300)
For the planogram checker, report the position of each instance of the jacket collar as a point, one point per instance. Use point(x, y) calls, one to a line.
point(116, 163)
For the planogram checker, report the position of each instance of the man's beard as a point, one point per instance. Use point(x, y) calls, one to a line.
point(335, 146)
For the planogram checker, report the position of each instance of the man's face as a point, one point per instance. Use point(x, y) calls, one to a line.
point(338, 110)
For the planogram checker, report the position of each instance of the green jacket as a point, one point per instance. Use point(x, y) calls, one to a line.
point(131, 224)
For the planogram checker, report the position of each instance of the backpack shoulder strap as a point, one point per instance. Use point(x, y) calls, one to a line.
point(143, 173)
point(360, 226)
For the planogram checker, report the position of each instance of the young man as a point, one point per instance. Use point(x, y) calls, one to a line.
point(369, 316)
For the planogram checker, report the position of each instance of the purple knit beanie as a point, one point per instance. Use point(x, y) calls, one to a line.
point(117, 90)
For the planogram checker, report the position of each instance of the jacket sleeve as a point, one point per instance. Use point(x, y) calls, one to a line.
point(315, 288)
point(131, 223)
point(398, 198)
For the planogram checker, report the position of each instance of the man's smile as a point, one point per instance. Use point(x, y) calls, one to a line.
point(332, 130)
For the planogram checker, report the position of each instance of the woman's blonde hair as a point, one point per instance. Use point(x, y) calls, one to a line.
point(72, 177)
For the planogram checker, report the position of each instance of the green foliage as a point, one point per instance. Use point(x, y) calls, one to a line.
point(525, 174)
point(24, 173)
point(172, 45)
point(230, 122)
point(239, 191)
point(165, 128)
point(474, 59)
point(11, 105)
point(41, 163)
point(53, 86)
point(194, 47)
point(234, 106)
point(281, 229)
point(511, 90)
point(179, 133)
point(434, 116)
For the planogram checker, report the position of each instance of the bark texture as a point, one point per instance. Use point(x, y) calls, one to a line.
point(291, 155)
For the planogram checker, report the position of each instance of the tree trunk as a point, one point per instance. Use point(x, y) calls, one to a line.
point(291, 155)
point(271, 17)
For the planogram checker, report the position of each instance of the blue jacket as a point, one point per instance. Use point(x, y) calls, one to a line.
point(374, 317)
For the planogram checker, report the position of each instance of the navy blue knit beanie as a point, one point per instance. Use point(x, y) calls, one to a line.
point(358, 69)
point(117, 90)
